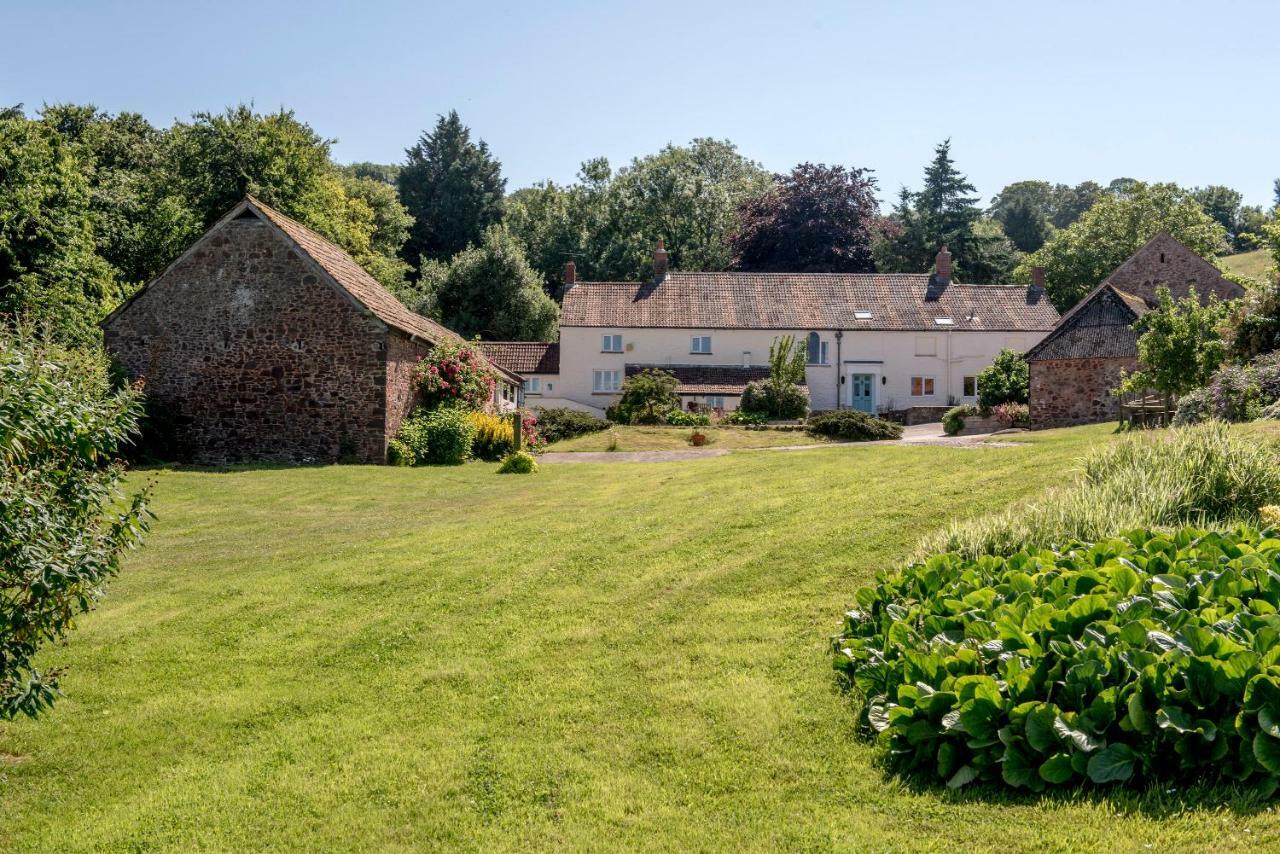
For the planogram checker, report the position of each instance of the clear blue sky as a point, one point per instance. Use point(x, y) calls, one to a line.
point(1064, 91)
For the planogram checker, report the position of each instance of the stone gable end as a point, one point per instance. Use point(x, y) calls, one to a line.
point(251, 354)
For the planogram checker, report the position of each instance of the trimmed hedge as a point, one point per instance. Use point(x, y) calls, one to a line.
point(852, 425)
point(558, 423)
point(1149, 656)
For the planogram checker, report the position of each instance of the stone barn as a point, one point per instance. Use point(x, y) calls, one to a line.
point(264, 342)
point(1075, 367)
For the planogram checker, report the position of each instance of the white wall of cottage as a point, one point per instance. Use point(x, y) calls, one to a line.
point(892, 358)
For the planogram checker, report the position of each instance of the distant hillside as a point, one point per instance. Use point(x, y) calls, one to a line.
point(1252, 264)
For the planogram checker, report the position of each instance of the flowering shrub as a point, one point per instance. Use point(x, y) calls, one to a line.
point(518, 462)
point(455, 374)
point(1234, 392)
point(495, 437)
point(1012, 414)
point(531, 437)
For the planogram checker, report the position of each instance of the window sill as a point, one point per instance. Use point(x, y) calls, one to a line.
point(692, 353)
point(612, 352)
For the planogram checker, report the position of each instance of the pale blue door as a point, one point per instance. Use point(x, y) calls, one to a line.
point(860, 389)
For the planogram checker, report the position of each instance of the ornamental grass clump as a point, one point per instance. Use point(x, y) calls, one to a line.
point(1201, 475)
point(1145, 657)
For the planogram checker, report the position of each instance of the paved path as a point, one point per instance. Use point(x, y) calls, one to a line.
point(919, 434)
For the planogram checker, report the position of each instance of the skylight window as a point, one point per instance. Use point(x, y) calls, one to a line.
point(944, 321)
point(862, 315)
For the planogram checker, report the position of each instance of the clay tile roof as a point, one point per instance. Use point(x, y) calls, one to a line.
point(524, 357)
point(357, 282)
point(708, 379)
point(873, 301)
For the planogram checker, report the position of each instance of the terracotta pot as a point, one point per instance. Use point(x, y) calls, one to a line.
point(698, 440)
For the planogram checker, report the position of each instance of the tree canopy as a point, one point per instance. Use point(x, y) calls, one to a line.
point(817, 219)
point(1080, 256)
point(452, 187)
point(1180, 345)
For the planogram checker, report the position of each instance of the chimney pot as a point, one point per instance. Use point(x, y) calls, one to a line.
point(570, 273)
point(1037, 277)
point(660, 260)
point(943, 265)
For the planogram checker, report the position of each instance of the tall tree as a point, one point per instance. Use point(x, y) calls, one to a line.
point(1079, 257)
point(1026, 227)
point(453, 189)
point(1071, 202)
point(945, 211)
point(687, 195)
point(488, 290)
point(817, 219)
point(1223, 204)
point(50, 274)
point(1276, 189)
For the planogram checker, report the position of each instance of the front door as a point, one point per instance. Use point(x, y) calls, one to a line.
point(860, 391)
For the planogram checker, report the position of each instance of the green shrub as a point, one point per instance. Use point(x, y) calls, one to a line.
point(953, 420)
point(557, 423)
point(1146, 657)
point(399, 453)
point(1005, 380)
point(646, 398)
point(680, 418)
point(742, 417)
point(450, 434)
point(853, 425)
point(1201, 475)
point(64, 517)
point(411, 440)
point(779, 401)
point(519, 462)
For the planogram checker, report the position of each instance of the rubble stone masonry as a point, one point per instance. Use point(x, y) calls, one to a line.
point(1076, 391)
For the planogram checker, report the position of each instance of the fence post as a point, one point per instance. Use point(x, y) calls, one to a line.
point(516, 425)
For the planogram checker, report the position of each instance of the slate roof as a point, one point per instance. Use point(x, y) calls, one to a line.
point(806, 301)
point(524, 357)
point(1101, 328)
point(708, 379)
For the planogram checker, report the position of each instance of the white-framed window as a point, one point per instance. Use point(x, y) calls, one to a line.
point(816, 352)
point(970, 386)
point(606, 380)
point(700, 344)
point(611, 344)
point(926, 345)
point(533, 385)
point(714, 401)
point(922, 386)
point(746, 358)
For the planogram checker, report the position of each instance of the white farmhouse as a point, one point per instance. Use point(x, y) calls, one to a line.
point(878, 342)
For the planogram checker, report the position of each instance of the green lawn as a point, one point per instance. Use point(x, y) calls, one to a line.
point(596, 656)
point(1253, 264)
point(677, 439)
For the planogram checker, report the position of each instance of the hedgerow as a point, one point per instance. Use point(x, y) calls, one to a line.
point(852, 425)
point(1148, 656)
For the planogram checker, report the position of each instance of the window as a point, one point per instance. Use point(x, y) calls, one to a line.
point(926, 346)
point(922, 386)
point(533, 385)
point(700, 344)
point(612, 344)
point(970, 386)
point(944, 321)
point(606, 380)
point(746, 358)
point(862, 315)
point(817, 350)
point(714, 401)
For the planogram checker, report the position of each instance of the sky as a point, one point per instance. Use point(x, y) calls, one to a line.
point(1063, 91)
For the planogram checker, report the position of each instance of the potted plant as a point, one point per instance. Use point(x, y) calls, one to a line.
point(698, 439)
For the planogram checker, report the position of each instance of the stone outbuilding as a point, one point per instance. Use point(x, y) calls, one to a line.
point(264, 342)
point(1074, 369)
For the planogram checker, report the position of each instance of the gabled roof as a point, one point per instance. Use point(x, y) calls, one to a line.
point(338, 268)
point(524, 357)
point(1099, 326)
point(871, 301)
point(708, 379)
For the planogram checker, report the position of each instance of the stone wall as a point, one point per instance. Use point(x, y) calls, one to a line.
point(403, 356)
point(1076, 391)
point(249, 355)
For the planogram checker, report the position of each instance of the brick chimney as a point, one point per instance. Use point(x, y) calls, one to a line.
point(943, 266)
point(1037, 277)
point(570, 273)
point(660, 261)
